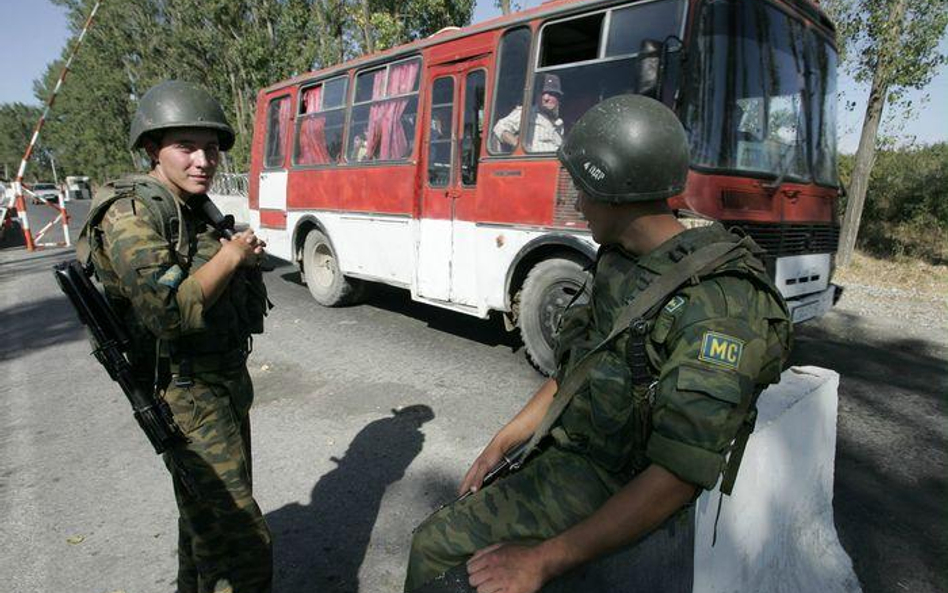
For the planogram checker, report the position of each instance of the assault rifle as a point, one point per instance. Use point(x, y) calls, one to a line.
point(511, 462)
point(223, 224)
point(111, 348)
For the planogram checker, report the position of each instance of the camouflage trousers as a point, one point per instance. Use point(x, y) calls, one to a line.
point(552, 492)
point(223, 541)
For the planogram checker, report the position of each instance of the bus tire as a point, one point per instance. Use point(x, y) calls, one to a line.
point(547, 289)
point(324, 279)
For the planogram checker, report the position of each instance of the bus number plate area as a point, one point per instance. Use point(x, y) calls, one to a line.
point(803, 274)
point(812, 306)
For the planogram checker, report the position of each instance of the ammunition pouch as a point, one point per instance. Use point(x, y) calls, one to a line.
point(188, 364)
point(256, 303)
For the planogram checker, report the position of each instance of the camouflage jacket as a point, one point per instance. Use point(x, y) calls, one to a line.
point(712, 348)
point(148, 276)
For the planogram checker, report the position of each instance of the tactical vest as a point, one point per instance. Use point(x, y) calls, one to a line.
point(609, 417)
point(237, 314)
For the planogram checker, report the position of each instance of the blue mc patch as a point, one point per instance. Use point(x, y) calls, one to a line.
point(721, 350)
point(173, 277)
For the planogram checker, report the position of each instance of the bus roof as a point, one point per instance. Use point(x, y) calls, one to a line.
point(547, 8)
point(810, 8)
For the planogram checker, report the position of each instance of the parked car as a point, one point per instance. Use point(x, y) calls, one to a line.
point(45, 191)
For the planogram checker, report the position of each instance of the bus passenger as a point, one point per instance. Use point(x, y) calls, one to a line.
point(358, 150)
point(547, 127)
point(658, 377)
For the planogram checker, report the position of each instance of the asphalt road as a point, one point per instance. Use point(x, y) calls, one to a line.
point(365, 419)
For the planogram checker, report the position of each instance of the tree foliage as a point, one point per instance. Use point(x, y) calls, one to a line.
point(231, 47)
point(893, 46)
point(875, 42)
point(17, 122)
point(906, 212)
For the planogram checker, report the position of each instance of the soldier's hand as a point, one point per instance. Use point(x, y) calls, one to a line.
point(507, 568)
point(245, 247)
point(489, 457)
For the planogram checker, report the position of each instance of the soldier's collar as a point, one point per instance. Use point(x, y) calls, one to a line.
point(669, 253)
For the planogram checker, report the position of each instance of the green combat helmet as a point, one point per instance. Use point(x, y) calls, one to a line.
point(178, 104)
point(627, 148)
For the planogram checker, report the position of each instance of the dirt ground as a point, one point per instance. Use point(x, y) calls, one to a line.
point(908, 290)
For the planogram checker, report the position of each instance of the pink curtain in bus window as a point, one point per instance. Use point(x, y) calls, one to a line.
point(386, 135)
point(373, 131)
point(313, 131)
point(284, 122)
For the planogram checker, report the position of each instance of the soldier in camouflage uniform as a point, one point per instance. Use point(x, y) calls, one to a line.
point(191, 300)
point(623, 454)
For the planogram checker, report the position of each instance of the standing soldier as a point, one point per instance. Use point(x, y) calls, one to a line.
point(190, 300)
point(657, 380)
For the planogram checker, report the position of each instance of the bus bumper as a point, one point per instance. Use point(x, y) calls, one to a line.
point(814, 305)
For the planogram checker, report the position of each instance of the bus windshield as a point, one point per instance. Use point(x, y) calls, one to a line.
point(762, 96)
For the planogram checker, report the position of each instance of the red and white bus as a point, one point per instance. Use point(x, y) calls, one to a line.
point(432, 166)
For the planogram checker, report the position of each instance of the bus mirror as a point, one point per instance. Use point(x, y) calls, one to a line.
point(656, 62)
point(649, 67)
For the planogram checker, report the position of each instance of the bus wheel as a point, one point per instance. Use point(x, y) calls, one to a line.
point(326, 282)
point(548, 288)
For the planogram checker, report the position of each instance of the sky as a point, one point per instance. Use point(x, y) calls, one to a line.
point(38, 30)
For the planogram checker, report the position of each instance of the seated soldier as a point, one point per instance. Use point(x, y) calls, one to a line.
point(546, 126)
point(657, 380)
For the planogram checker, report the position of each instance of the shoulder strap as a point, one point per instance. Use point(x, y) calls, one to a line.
point(634, 317)
point(162, 206)
point(104, 198)
point(148, 192)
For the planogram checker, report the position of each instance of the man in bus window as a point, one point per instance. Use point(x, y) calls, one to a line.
point(358, 150)
point(545, 128)
point(657, 382)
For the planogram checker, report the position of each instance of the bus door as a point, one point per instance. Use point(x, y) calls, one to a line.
point(445, 269)
point(273, 174)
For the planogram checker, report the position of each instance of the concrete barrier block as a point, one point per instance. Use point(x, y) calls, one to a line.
point(776, 531)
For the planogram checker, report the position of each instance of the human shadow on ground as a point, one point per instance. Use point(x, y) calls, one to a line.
point(890, 482)
point(320, 546)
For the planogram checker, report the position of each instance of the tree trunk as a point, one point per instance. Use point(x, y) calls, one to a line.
point(866, 153)
point(367, 28)
point(504, 6)
point(865, 159)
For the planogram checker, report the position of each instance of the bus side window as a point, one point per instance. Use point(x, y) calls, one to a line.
point(278, 119)
point(511, 81)
point(320, 124)
point(585, 59)
point(439, 135)
point(382, 126)
point(473, 126)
